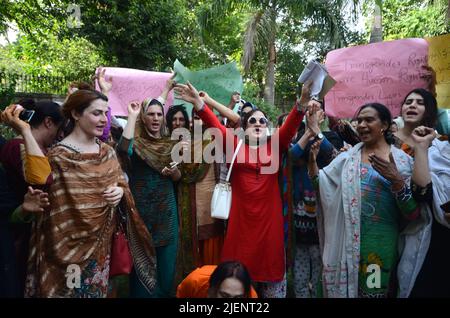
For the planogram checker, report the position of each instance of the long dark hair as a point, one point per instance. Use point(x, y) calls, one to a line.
point(43, 110)
point(430, 116)
point(385, 116)
point(172, 111)
point(226, 270)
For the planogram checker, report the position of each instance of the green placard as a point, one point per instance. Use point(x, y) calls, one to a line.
point(219, 81)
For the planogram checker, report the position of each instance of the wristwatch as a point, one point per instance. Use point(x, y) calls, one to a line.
point(319, 136)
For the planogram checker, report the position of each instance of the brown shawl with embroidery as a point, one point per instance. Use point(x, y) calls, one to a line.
point(73, 237)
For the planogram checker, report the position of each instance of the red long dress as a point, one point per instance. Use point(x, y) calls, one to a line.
point(255, 226)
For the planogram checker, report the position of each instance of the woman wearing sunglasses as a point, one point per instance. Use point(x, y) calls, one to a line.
point(255, 227)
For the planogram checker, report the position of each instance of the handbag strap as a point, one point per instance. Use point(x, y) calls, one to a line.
point(232, 161)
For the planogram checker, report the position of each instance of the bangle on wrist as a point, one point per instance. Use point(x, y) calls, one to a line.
point(299, 106)
point(203, 106)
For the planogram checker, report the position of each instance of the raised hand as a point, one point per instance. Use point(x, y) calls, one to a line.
point(10, 117)
point(235, 98)
point(171, 83)
point(313, 169)
point(312, 116)
point(105, 86)
point(423, 136)
point(314, 150)
point(71, 89)
point(35, 201)
point(305, 97)
point(189, 94)
point(134, 108)
point(204, 96)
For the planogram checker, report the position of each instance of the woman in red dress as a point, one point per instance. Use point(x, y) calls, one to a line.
point(255, 227)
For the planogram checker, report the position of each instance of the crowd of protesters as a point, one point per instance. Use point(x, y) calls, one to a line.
point(337, 208)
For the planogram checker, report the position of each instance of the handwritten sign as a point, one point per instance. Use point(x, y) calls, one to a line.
point(219, 82)
point(439, 60)
point(134, 85)
point(381, 72)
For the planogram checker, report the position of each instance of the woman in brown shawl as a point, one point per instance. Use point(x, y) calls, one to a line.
point(71, 241)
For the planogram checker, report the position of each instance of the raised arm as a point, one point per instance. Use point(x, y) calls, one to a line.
point(422, 137)
point(124, 146)
point(10, 116)
point(190, 94)
point(221, 109)
point(314, 117)
point(35, 166)
point(295, 117)
point(235, 98)
point(170, 84)
point(105, 87)
point(313, 169)
point(298, 150)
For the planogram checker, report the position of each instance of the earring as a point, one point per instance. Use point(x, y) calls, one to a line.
point(382, 131)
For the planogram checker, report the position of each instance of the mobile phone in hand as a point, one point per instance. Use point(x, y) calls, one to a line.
point(26, 115)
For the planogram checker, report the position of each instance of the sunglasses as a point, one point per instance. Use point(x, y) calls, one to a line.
point(262, 121)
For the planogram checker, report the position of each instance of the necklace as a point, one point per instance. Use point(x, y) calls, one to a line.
point(73, 147)
point(70, 146)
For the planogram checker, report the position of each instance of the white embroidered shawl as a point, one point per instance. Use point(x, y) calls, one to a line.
point(339, 224)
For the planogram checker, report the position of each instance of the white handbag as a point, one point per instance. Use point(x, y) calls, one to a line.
point(221, 199)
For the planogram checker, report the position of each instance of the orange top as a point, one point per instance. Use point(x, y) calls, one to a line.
point(37, 169)
point(196, 284)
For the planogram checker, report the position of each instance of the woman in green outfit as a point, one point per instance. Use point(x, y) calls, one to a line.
point(365, 197)
point(152, 184)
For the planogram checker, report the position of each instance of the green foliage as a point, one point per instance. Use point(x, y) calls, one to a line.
point(7, 85)
point(7, 89)
point(251, 94)
point(47, 66)
point(220, 46)
point(151, 34)
point(139, 34)
point(33, 17)
point(267, 21)
point(412, 18)
point(7, 132)
point(51, 56)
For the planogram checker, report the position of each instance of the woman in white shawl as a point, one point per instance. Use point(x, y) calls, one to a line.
point(365, 195)
point(433, 280)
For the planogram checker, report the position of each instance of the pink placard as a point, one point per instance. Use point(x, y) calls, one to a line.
point(380, 72)
point(134, 85)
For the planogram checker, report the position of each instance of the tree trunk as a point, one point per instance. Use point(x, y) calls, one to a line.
point(269, 89)
point(376, 35)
